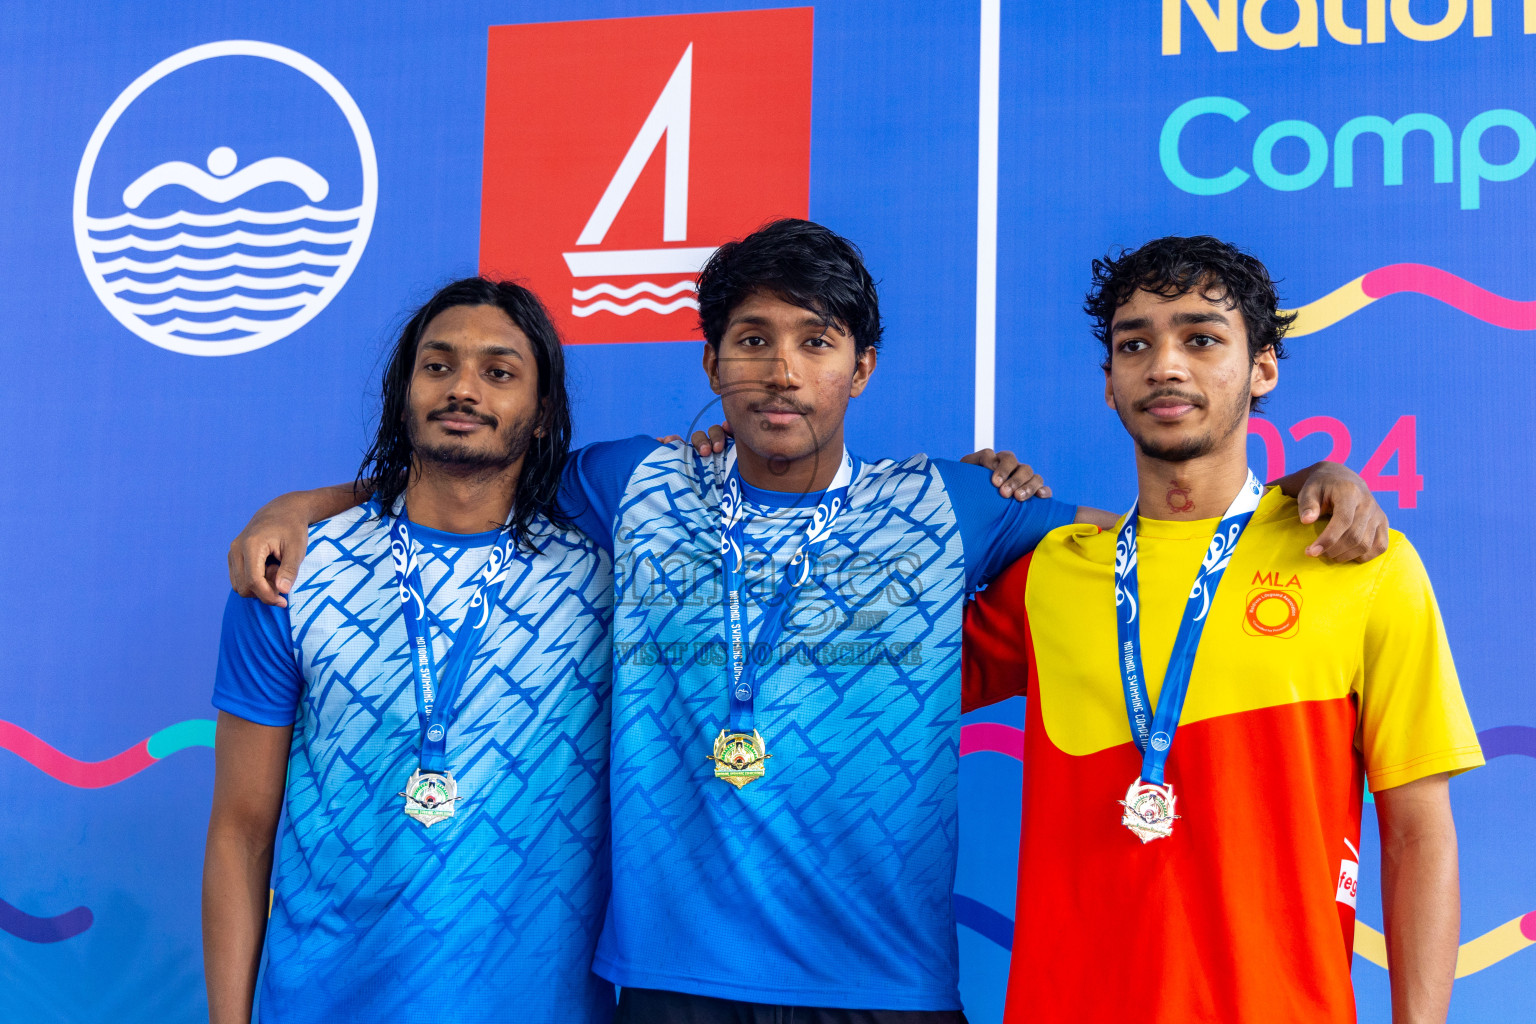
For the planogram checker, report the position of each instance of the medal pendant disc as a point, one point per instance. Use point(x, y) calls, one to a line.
point(739, 757)
point(1148, 811)
point(430, 796)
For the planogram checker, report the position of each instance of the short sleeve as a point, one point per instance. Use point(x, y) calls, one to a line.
point(996, 531)
point(1413, 718)
point(593, 482)
point(258, 676)
point(996, 653)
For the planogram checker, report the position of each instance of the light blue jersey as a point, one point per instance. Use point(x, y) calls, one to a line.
point(491, 915)
point(828, 882)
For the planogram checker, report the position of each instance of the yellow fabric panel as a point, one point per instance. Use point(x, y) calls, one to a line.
point(1414, 720)
point(1283, 628)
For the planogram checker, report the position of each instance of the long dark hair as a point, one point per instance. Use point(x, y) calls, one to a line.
point(386, 467)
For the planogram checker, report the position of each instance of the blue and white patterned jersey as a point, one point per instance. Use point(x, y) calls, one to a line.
point(491, 915)
point(829, 882)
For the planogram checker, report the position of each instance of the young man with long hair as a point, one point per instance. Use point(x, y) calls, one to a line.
point(1205, 703)
point(430, 711)
point(786, 700)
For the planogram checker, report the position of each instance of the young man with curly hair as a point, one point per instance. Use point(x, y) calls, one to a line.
point(1205, 703)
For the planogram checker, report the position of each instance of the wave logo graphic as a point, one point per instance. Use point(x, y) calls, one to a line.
point(247, 244)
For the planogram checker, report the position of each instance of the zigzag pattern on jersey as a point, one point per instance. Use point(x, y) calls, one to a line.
point(858, 808)
point(509, 895)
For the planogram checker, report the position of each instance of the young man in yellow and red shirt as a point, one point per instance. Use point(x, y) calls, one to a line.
point(1227, 892)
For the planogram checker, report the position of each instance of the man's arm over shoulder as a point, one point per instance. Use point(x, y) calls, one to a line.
point(995, 656)
point(994, 530)
point(279, 531)
point(593, 482)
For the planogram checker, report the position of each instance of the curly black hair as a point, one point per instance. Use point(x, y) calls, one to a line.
point(802, 263)
point(386, 467)
point(1175, 266)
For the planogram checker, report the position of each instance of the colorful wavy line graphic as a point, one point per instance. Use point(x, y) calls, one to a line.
point(1423, 280)
point(992, 737)
point(1486, 950)
point(44, 929)
point(194, 732)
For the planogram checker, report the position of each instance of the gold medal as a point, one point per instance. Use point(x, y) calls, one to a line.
point(739, 758)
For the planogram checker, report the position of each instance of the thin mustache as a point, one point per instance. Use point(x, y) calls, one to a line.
point(1185, 396)
point(438, 414)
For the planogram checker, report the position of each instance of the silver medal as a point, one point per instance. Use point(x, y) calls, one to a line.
point(430, 796)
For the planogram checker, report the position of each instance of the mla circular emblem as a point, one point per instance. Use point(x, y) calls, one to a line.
point(1261, 612)
point(225, 198)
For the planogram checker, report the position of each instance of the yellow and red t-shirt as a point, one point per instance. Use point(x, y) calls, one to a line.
point(1310, 675)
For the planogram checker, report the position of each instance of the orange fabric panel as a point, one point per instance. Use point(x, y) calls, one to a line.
point(1233, 918)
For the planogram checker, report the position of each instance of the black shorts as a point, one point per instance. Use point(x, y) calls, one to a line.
point(654, 1006)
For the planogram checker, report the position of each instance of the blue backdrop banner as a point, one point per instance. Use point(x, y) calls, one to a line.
point(219, 214)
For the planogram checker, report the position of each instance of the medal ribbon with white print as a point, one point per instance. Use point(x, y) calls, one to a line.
point(434, 704)
point(742, 679)
point(1156, 740)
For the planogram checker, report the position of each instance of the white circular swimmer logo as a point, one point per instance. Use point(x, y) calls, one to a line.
point(225, 198)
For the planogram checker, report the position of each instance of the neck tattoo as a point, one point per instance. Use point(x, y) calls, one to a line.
point(1179, 500)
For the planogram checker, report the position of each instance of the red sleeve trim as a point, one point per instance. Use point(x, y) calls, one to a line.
point(996, 653)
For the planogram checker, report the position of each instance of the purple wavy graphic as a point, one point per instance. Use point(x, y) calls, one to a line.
point(1508, 739)
point(44, 929)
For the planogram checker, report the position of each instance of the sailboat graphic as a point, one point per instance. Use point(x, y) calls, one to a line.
point(228, 275)
point(670, 118)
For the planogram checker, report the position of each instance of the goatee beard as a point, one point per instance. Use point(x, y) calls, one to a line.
point(1184, 451)
point(1195, 447)
point(516, 437)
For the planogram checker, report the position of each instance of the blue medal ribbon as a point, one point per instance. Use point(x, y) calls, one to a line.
point(742, 680)
point(435, 702)
point(1153, 729)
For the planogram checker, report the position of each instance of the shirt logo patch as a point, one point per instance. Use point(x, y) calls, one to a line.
point(619, 153)
point(1273, 606)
